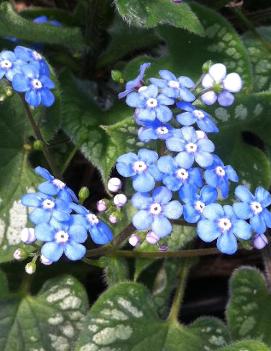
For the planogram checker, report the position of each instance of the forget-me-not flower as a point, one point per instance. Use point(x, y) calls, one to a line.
point(150, 104)
point(155, 130)
point(141, 168)
point(218, 176)
point(8, 65)
point(191, 148)
point(46, 20)
point(254, 207)
point(221, 224)
point(155, 211)
point(173, 87)
point(32, 57)
point(194, 115)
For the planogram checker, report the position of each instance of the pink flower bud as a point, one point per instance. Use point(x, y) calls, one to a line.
point(114, 184)
point(120, 200)
point(113, 219)
point(28, 235)
point(44, 260)
point(163, 248)
point(152, 238)
point(101, 206)
point(134, 240)
point(260, 241)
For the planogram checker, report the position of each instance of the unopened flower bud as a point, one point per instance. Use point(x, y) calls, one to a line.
point(134, 240)
point(117, 76)
point(38, 145)
point(83, 194)
point(20, 254)
point(101, 206)
point(260, 241)
point(152, 238)
point(44, 260)
point(206, 66)
point(120, 200)
point(28, 235)
point(113, 219)
point(114, 184)
point(30, 267)
point(163, 248)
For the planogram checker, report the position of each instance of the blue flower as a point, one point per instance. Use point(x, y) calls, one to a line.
point(150, 104)
point(46, 208)
point(67, 238)
point(221, 224)
point(175, 176)
point(174, 87)
point(191, 148)
point(142, 168)
point(8, 65)
point(195, 203)
point(218, 176)
point(32, 57)
point(253, 207)
point(35, 86)
point(194, 115)
point(54, 186)
point(45, 20)
point(155, 210)
point(135, 83)
point(155, 130)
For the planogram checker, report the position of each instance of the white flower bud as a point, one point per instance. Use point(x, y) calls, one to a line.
point(28, 235)
point(113, 219)
point(19, 254)
point(44, 260)
point(30, 267)
point(114, 184)
point(101, 206)
point(152, 238)
point(120, 200)
point(134, 240)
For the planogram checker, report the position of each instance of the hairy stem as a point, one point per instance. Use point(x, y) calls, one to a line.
point(266, 255)
point(39, 136)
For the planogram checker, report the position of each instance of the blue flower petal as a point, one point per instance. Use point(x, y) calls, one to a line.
point(172, 183)
point(213, 211)
point(263, 196)
point(124, 169)
point(189, 134)
point(242, 193)
point(142, 220)
point(204, 159)
point(43, 173)
point(186, 118)
point(258, 224)
point(242, 210)
point(186, 106)
point(39, 215)
point(186, 82)
point(44, 232)
point(31, 200)
point(33, 98)
point(206, 145)
point(175, 144)
point(191, 215)
point(164, 114)
point(48, 188)
point(208, 194)
point(61, 216)
point(167, 75)
point(162, 195)
point(211, 177)
point(74, 251)
point(267, 217)
point(207, 125)
point(134, 100)
point(52, 251)
point(78, 233)
point(227, 243)
point(101, 233)
point(186, 95)
point(20, 83)
point(161, 226)
point(225, 98)
point(141, 201)
point(148, 156)
point(47, 97)
point(185, 159)
point(231, 173)
point(173, 210)
point(143, 182)
point(242, 230)
point(207, 230)
point(166, 164)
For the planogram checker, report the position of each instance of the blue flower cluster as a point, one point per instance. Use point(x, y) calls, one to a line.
point(187, 178)
point(28, 73)
point(61, 224)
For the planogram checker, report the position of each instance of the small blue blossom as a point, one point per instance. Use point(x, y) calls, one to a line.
point(150, 105)
point(194, 115)
point(8, 65)
point(135, 83)
point(218, 176)
point(175, 177)
point(155, 130)
point(32, 57)
point(195, 203)
point(221, 224)
point(191, 148)
point(45, 20)
point(35, 86)
point(253, 207)
point(142, 168)
point(155, 211)
point(173, 87)
point(66, 238)
point(46, 208)
point(54, 186)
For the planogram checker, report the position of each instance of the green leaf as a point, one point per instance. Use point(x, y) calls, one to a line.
point(12, 24)
point(260, 57)
point(124, 318)
point(102, 136)
point(188, 52)
point(151, 13)
point(3, 284)
point(248, 345)
point(116, 269)
point(49, 321)
point(16, 177)
point(249, 309)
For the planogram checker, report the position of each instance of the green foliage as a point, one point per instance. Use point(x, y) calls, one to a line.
point(151, 13)
point(249, 309)
point(50, 321)
point(124, 318)
point(249, 345)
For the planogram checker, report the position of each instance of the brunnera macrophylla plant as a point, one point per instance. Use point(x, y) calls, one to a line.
point(180, 179)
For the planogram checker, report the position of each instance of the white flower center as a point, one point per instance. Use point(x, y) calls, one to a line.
point(36, 55)
point(224, 224)
point(155, 209)
point(92, 218)
point(199, 206)
point(191, 147)
point(48, 204)
point(182, 173)
point(143, 88)
point(256, 207)
point(200, 134)
point(199, 114)
point(174, 84)
point(162, 130)
point(6, 64)
point(61, 236)
point(58, 183)
point(220, 171)
point(151, 103)
point(36, 84)
point(140, 166)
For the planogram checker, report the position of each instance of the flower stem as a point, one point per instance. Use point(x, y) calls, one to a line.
point(178, 297)
point(266, 255)
point(39, 136)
